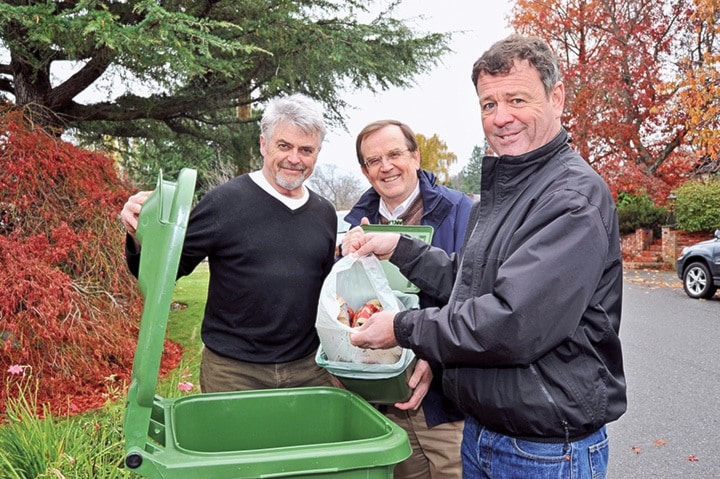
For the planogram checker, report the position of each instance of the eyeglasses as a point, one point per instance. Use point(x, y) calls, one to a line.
point(391, 156)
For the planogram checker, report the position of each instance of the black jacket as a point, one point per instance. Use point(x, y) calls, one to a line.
point(529, 338)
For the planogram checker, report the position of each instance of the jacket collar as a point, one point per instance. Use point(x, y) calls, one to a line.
point(511, 170)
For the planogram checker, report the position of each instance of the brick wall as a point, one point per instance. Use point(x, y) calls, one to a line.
point(669, 245)
point(673, 241)
point(633, 244)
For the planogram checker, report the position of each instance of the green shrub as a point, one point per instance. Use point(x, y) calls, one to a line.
point(639, 211)
point(697, 207)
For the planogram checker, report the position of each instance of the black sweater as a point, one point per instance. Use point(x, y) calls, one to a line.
point(267, 265)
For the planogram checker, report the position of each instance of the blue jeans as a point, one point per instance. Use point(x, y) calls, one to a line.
point(490, 455)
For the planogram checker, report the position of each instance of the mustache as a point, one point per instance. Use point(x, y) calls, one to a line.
point(289, 166)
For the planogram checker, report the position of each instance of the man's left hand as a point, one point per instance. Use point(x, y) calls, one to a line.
point(420, 384)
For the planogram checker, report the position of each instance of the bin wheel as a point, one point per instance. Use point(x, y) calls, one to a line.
point(133, 460)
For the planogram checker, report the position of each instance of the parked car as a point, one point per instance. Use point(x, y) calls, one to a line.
point(699, 268)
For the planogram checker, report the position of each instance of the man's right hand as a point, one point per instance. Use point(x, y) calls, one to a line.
point(381, 245)
point(131, 212)
point(360, 243)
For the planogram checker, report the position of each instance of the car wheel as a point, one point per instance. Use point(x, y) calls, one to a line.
point(697, 281)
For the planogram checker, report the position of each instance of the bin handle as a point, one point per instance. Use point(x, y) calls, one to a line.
point(161, 231)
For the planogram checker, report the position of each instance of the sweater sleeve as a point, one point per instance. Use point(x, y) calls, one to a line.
point(204, 223)
point(196, 245)
point(132, 255)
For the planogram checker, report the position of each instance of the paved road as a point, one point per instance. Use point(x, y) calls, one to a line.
point(672, 363)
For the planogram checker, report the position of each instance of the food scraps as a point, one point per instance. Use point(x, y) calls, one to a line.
point(366, 310)
point(353, 319)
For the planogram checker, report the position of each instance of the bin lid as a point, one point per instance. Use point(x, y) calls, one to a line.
point(161, 232)
point(396, 279)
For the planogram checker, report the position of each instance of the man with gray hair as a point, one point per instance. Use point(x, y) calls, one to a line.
point(270, 243)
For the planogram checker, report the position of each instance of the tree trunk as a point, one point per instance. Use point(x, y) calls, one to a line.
point(32, 86)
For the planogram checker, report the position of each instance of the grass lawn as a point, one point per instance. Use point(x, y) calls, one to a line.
point(183, 328)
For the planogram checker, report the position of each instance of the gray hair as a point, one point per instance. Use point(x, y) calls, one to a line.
point(298, 110)
point(500, 58)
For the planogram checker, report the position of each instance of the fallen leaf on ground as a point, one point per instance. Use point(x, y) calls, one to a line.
point(693, 458)
point(636, 449)
point(659, 442)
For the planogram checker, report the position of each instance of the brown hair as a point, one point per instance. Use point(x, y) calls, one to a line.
point(377, 125)
point(501, 56)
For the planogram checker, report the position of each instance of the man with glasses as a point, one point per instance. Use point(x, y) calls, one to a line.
point(403, 193)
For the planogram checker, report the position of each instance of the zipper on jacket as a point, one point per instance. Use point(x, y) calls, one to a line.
point(563, 421)
point(566, 444)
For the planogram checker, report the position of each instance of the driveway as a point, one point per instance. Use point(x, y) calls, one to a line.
point(672, 366)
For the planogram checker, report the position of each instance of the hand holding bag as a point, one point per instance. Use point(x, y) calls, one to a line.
point(356, 280)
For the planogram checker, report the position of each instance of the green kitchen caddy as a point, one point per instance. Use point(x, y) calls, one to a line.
point(383, 383)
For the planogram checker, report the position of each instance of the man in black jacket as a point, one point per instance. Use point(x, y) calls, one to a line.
point(530, 336)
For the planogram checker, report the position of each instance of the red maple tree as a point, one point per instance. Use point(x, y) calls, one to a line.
point(69, 309)
point(628, 70)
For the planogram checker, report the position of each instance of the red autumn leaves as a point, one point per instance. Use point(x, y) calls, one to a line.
point(68, 305)
point(660, 443)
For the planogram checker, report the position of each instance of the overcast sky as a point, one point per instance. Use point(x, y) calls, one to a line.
point(444, 101)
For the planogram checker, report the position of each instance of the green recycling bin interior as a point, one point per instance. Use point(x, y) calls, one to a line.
point(319, 432)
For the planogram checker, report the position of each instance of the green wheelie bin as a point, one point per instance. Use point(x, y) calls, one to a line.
point(318, 432)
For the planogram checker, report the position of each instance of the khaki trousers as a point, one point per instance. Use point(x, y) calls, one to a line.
point(221, 374)
point(435, 451)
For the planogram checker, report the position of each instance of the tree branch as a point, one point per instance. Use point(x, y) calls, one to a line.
point(155, 107)
point(86, 76)
point(666, 152)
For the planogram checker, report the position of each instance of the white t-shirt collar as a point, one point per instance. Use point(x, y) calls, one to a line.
point(292, 203)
